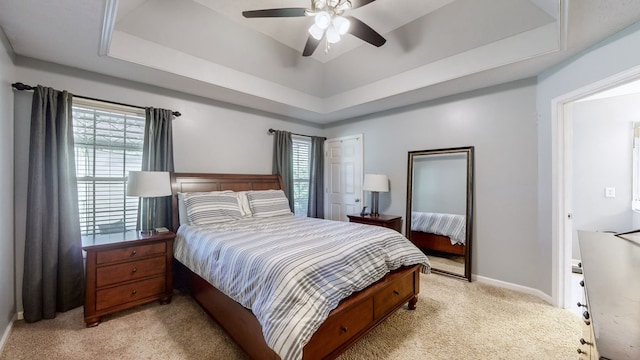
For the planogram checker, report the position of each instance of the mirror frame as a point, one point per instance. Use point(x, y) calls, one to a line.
point(469, 151)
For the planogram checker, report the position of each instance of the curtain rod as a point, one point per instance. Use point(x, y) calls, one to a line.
point(20, 86)
point(271, 131)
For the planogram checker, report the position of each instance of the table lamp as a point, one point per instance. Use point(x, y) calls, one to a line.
point(375, 183)
point(151, 185)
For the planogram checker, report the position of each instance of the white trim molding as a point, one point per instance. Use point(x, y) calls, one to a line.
point(6, 334)
point(512, 286)
point(108, 24)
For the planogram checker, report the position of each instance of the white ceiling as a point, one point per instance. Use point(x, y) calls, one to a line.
point(205, 47)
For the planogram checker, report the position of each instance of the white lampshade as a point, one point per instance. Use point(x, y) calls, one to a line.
point(332, 35)
point(148, 184)
point(316, 32)
point(376, 182)
point(323, 20)
point(341, 24)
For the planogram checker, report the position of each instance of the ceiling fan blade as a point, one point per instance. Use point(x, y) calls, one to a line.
point(364, 32)
point(359, 3)
point(311, 46)
point(284, 12)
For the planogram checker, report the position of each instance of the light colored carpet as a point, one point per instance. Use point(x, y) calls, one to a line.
point(454, 319)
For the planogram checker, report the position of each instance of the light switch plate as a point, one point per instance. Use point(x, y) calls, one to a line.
point(610, 192)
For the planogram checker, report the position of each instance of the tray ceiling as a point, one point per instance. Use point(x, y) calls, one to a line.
point(206, 48)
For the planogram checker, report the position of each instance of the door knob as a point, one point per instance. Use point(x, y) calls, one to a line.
point(357, 200)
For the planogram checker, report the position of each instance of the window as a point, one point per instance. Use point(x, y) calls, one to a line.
point(301, 164)
point(108, 144)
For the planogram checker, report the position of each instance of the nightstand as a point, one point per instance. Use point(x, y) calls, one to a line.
point(124, 270)
point(389, 221)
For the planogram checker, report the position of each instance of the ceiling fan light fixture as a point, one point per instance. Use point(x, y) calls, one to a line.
point(319, 4)
point(343, 6)
point(323, 20)
point(316, 32)
point(333, 36)
point(342, 24)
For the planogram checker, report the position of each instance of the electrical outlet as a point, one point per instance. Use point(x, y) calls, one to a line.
point(610, 192)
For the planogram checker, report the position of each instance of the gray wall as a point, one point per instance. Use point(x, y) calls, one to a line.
point(602, 157)
point(501, 123)
point(209, 136)
point(8, 293)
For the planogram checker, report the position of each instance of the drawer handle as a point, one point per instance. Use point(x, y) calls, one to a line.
point(134, 292)
point(587, 322)
point(134, 270)
point(580, 351)
point(344, 329)
point(586, 315)
point(134, 252)
point(582, 283)
point(585, 342)
point(581, 304)
point(396, 292)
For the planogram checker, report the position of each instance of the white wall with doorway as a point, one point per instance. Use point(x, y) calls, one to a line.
point(602, 159)
point(575, 78)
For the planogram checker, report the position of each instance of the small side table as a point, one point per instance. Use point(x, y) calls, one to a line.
point(389, 221)
point(126, 269)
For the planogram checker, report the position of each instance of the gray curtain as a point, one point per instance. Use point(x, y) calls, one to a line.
point(283, 162)
point(53, 270)
point(157, 155)
point(315, 207)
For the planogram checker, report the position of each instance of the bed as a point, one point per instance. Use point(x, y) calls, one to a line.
point(445, 233)
point(332, 333)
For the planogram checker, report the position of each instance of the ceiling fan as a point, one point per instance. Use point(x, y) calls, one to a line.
point(329, 22)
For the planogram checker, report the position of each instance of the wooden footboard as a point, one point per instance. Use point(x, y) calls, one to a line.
point(436, 243)
point(354, 317)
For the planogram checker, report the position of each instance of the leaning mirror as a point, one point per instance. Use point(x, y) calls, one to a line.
point(440, 207)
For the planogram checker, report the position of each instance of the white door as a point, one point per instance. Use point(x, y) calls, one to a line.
point(343, 177)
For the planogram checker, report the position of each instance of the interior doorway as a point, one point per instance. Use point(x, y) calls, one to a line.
point(343, 169)
point(563, 181)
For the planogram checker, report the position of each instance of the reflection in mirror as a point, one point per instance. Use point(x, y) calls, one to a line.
point(440, 207)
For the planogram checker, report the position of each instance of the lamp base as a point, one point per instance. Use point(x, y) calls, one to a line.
point(147, 232)
point(374, 203)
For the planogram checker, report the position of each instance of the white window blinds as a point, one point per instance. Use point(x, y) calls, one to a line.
point(301, 164)
point(108, 144)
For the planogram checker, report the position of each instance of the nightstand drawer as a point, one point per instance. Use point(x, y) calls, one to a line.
point(133, 270)
point(383, 301)
point(118, 295)
point(131, 252)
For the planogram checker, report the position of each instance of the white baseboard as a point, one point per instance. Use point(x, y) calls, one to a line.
point(5, 335)
point(511, 286)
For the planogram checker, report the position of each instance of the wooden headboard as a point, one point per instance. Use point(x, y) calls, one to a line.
point(194, 182)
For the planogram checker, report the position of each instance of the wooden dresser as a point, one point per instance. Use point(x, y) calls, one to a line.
point(611, 269)
point(124, 270)
point(389, 221)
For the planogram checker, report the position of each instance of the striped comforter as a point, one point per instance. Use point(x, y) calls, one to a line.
point(453, 226)
point(292, 271)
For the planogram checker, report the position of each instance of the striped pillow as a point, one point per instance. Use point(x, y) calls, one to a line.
point(211, 208)
point(266, 203)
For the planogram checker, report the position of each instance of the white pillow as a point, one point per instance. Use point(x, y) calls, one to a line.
point(267, 203)
point(212, 207)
